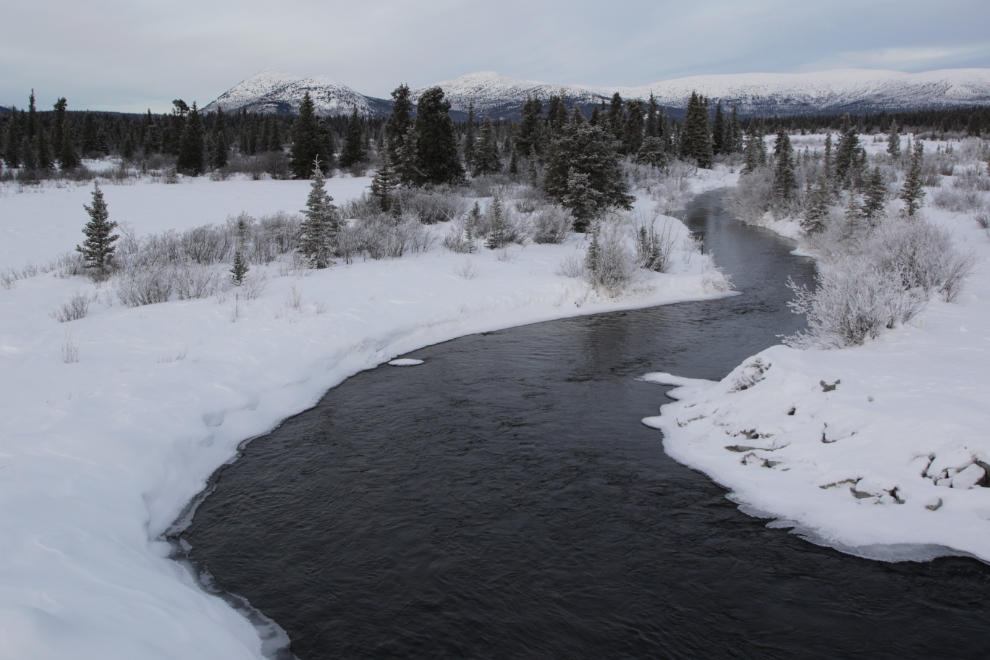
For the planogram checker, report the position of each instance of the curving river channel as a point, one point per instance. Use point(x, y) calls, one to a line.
point(503, 501)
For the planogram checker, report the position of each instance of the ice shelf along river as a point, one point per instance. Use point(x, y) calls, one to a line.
point(503, 500)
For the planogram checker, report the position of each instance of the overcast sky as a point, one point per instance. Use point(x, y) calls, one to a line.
point(133, 55)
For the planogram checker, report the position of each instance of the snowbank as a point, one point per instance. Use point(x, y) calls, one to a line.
point(880, 450)
point(99, 456)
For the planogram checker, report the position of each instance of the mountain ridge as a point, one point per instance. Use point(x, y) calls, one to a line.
point(782, 94)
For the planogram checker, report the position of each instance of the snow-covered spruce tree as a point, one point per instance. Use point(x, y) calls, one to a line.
point(592, 254)
point(818, 203)
point(486, 159)
point(784, 181)
point(319, 229)
point(239, 269)
point(756, 149)
point(399, 122)
point(405, 159)
point(190, 160)
point(437, 157)
point(529, 132)
point(874, 198)
point(632, 138)
point(582, 149)
point(894, 141)
point(384, 183)
point(499, 235)
point(98, 248)
point(697, 141)
point(719, 132)
point(912, 192)
point(353, 152)
point(847, 154)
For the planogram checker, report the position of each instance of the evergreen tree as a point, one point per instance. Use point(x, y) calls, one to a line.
point(67, 157)
point(652, 128)
point(190, 160)
point(437, 157)
point(652, 153)
point(513, 162)
point(719, 132)
point(973, 129)
point(353, 152)
point(784, 181)
point(556, 115)
point(499, 235)
point(846, 152)
point(58, 121)
point(912, 193)
point(593, 254)
point(98, 248)
point(874, 198)
point(894, 141)
point(633, 134)
point(307, 145)
point(12, 142)
point(697, 140)
point(469, 138)
point(818, 204)
point(239, 268)
point(274, 142)
point(384, 183)
point(399, 122)
point(90, 140)
point(736, 132)
point(486, 159)
point(46, 160)
point(33, 126)
point(319, 229)
point(405, 167)
point(529, 136)
point(220, 145)
point(616, 119)
point(586, 150)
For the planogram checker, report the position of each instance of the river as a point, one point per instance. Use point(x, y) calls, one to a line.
point(503, 500)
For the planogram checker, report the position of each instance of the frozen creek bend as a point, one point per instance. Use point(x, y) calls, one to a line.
point(502, 500)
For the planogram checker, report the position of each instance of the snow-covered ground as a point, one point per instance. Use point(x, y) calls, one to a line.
point(880, 450)
point(99, 456)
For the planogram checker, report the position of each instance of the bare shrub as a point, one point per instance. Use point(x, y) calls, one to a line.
point(468, 270)
point(918, 254)
point(70, 349)
point(67, 264)
point(570, 266)
point(489, 185)
point(654, 245)
point(550, 224)
point(76, 308)
point(364, 206)
point(254, 284)
point(456, 240)
point(193, 282)
point(207, 245)
point(145, 286)
point(958, 200)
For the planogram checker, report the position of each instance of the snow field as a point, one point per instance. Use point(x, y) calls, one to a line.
point(880, 450)
point(99, 456)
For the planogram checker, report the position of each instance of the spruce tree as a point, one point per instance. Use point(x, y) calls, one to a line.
point(405, 165)
point(98, 248)
point(874, 198)
point(529, 136)
point(912, 193)
point(556, 116)
point(384, 183)
point(633, 134)
point(469, 138)
point(784, 181)
point(239, 269)
point(894, 141)
point(486, 159)
point(90, 140)
point(58, 121)
point(190, 160)
point(735, 130)
point(353, 152)
point(818, 203)
point(306, 141)
point(499, 235)
point(399, 122)
point(67, 156)
point(319, 229)
point(437, 156)
point(719, 132)
point(220, 145)
point(697, 140)
point(12, 142)
point(846, 152)
point(46, 160)
point(652, 128)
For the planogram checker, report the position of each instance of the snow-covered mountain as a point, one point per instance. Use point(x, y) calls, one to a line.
point(827, 92)
point(845, 90)
point(277, 91)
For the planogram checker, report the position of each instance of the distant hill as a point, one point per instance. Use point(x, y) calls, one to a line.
point(279, 92)
point(769, 94)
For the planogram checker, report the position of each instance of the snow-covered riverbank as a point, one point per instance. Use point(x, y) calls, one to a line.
point(99, 456)
point(880, 450)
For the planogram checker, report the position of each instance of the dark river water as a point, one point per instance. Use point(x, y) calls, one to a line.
point(503, 500)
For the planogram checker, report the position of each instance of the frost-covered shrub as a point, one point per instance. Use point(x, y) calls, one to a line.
point(456, 239)
point(958, 200)
point(207, 245)
point(73, 310)
point(364, 206)
point(752, 198)
point(654, 244)
point(433, 206)
point(489, 185)
point(272, 236)
point(193, 282)
point(877, 280)
point(384, 237)
point(145, 285)
point(609, 264)
point(550, 224)
point(510, 230)
point(972, 179)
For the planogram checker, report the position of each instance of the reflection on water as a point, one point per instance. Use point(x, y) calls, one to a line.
point(504, 501)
